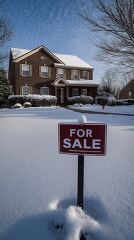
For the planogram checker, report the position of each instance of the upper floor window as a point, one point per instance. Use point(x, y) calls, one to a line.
point(60, 73)
point(44, 71)
point(26, 70)
point(85, 75)
point(75, 74)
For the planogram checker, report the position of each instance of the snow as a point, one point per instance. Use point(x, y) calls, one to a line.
point(72, 61)
point(68, 60)
point(127, 109)
point(83, 82)
point(17, 52)
point(38, 186)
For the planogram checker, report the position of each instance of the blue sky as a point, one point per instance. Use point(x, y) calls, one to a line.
point(55, 24)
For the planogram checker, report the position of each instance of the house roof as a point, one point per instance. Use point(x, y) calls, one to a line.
point(63, 59)
point(82, 82)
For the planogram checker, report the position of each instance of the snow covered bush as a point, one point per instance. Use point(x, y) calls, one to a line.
point(35, 100)
point(27, 105)
point(80, 99)
point(17, 105)
point(105, 99)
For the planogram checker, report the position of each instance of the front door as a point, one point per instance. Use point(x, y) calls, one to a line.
point(60, 96)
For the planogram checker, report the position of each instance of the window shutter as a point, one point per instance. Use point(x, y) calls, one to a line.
point(56, 72)
point(71, 74)
point(49, 72)
point(20, 66)
point(39, 71)
point(87, 74)
point(30, 70)
point(64, 73)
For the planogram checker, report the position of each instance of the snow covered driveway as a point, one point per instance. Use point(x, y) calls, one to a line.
point(35, 177)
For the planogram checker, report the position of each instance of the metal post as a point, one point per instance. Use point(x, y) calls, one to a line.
point(80, 187)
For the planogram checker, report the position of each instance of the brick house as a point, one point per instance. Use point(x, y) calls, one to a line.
point(39, 71)
point(127, 92)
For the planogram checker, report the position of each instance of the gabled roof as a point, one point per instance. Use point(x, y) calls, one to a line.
point(20, 54)
point(62, 59)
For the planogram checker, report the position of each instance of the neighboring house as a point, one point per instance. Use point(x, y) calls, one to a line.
point(39, 71)
point(127, 92)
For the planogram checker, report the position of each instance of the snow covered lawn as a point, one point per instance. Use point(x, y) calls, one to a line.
point(38, 186)
point(127, 109)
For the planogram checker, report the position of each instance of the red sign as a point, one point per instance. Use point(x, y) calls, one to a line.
point(83, 139)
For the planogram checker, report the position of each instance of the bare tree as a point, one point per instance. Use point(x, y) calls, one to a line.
point(108, 82)
point(113, 20)
point(5, 33)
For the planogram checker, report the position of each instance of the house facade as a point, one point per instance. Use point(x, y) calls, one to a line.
point(127, 91)
point(39, 71)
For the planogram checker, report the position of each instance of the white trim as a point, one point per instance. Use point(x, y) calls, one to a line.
point(46, 68)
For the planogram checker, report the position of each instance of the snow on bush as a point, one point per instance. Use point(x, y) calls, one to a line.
point(27, 104)
point(35, 100)
point(105, 99)
point(17, 105)
point(80, 99)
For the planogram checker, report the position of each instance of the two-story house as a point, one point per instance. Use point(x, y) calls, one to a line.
point(39, 71)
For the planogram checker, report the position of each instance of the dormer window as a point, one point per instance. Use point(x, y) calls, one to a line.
point(60, 73)
point(25, 70)
point(75, 74)
point(44, 71)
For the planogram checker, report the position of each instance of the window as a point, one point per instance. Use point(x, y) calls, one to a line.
point(25, 70)
point(44, 71)
point(74, 92)
point(60, 73)
point(44, 90)
point(84, 92)
point(25, 90)
point(75, 74)
point(85, 75)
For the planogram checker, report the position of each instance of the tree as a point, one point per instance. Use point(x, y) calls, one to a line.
point(4, 87)
point(113, 20)
point(108, 82)
point(5, 33)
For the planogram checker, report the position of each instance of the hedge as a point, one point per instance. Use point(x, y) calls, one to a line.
point(35, 100)
point(80, 99)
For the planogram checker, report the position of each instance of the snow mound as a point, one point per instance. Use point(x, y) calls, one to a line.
point(62, 224)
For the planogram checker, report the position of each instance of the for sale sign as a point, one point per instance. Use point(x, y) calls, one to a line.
point(83, 139)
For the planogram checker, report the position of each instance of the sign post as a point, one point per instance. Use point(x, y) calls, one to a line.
point(80, 187)
point(82, 139)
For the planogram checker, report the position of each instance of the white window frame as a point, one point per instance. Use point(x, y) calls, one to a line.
point(86, 76)
point(41, 71)
point(84, 90)
point(26, 73)
point(44, 88)
point(23, 91)
point(75, 92)
point(60, 72)
point(74, 75)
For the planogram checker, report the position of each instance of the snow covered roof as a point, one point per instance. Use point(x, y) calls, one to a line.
point(72, 61)
point(17, 52)
point(64, 60)
point(83, 82)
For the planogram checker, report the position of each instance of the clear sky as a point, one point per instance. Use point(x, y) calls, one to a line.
point(55, 24)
